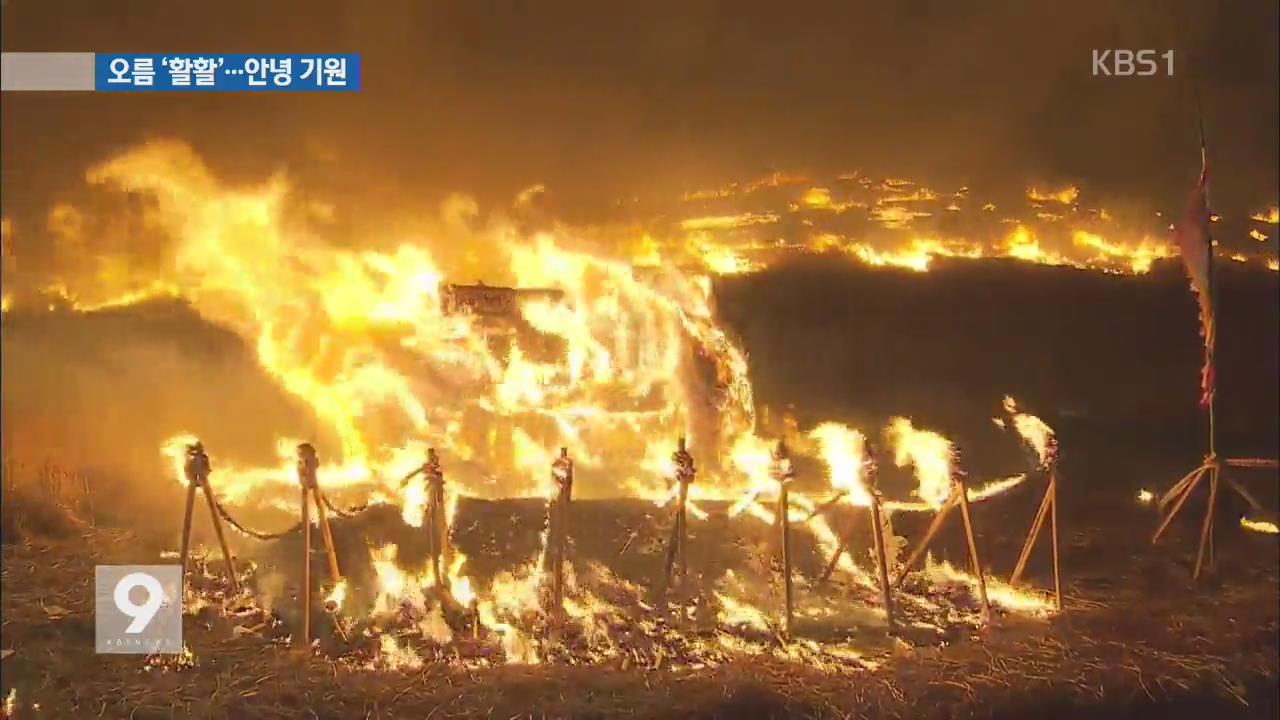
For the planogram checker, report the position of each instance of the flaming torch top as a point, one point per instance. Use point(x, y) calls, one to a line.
point(683, 462)
point(431, 468)
point(197, 464)
point(780, 470)
point(308, 464)
point(562, 471)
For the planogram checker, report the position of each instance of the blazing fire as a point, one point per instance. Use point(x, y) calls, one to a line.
point(562, 346)
point(929, 453)
point(1033, 430)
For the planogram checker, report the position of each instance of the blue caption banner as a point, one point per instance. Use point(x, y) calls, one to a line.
point(227, 72)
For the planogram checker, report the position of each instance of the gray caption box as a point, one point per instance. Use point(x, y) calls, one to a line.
point(46, 71)
point(138, 609)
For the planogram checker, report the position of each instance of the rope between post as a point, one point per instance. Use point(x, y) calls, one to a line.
point(348, 513)
point(235, 525)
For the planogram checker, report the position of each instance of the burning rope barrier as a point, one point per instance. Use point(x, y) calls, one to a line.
point(342, 512)
point(242, 529)
point(855, 483)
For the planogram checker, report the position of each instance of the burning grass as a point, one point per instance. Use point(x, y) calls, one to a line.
point(1136, 636)
point(1115, 655)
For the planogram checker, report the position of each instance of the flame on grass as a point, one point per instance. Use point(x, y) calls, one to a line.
point(1065, 196)
point(1259, 526)
point(1000, 593)
point(1271, 216)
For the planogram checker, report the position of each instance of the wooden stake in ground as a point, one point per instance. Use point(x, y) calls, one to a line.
point(1215, 469)
point(877, 536)
point(1049, 508)
point(780, 470)
point(437, 522)
point(558, 524)
point(677, 559)
point(306, 563)
point(197, 469)
point(959, 496)
point(308, 467)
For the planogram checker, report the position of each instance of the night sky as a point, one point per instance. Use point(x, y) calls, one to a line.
point(600, 100)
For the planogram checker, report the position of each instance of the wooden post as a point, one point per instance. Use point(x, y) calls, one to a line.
point(437, 526)
point(186, 525)
point(683, 536)
point(1053, 528)
point(306, 568)
point(196, 468)
point(934, 526)
point(835, 558)
point(562, 476)
point(326, 534)
point(1047, 509)
point(1182, 498)
point(308, 470)
point(782, 474)
point(1206, 530)
point(677, 562)
point(222, 538)
point(973, 549)
point(882, 564)
point(1033, 533)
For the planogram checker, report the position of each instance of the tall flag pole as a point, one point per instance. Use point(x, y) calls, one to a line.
point(1196, 246)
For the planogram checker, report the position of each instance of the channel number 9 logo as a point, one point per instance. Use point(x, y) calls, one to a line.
point(143, 614)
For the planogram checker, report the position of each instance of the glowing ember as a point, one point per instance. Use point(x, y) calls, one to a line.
point(1145, 496)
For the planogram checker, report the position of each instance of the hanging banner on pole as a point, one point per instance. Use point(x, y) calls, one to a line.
point(1192, 234)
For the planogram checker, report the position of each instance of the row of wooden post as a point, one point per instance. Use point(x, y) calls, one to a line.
point(197, 468)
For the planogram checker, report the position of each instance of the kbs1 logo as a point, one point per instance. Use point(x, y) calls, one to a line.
point(1127, 63)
